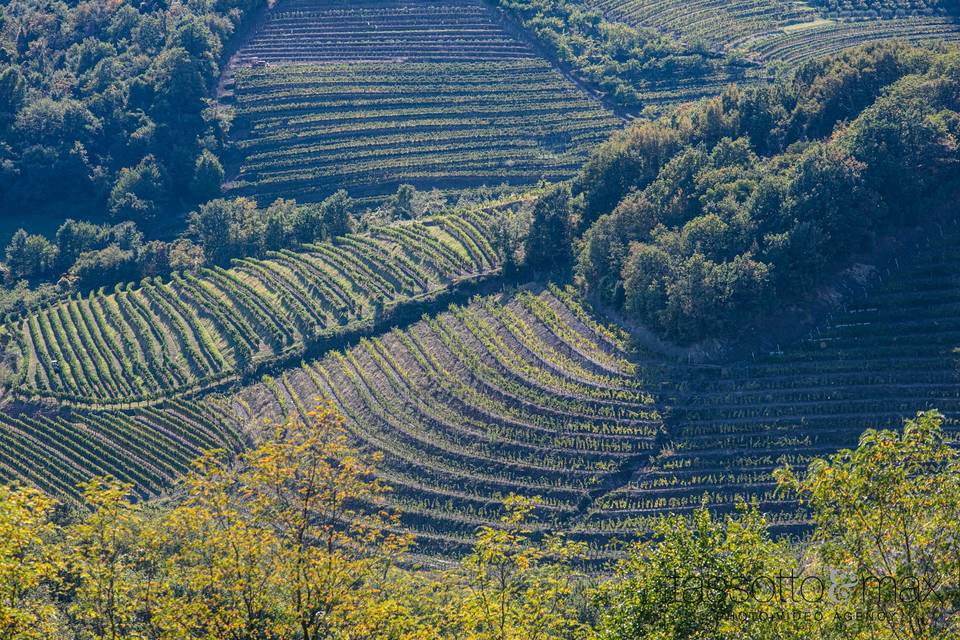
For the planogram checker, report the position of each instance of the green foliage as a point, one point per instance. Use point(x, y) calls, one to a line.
point(548, 241)
point(29, 257)
point(228, 229)
point(104, 266)
point(207, 176)
point(630, 160)
point(85, 256)
point(88, 89)
point(13, 91)
point(619, 60)
point(401, 204)
point(325, 220)
point(888, 510)
point(695, 579)
point(28, 564)
point(140, 192)
point(724, 210)
point(335, 216)
point(514, 587)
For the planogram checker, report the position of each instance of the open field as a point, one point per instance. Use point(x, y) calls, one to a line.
point(823, 39)
point(709, 431)
point(526, 394)
point(522, 392)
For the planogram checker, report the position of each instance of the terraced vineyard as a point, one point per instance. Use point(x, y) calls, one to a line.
point(149, 447)
point(528, 395)
point(436, 94)
point(716, 22)
point(382, 30)
point(790, 31)
point(888, 355)
point(519, 394)
point(823, 38)
point(369, 127)
point(861, 9)
point(145, 342)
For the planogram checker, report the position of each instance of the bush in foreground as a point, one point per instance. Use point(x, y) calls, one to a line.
point(291, 541)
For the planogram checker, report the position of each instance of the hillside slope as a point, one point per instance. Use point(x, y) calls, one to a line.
point(524, 393)
point(142, 343)
point(149, 448)
point(367, 96)
point(787, 30)
point(884, 355)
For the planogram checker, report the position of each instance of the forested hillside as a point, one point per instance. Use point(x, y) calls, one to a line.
point(107, 102)
point(479, 320)
point(718, 214)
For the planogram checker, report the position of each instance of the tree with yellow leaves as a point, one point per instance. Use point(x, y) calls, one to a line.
point(516, 587)
point(27, 565)
point(324, 504)
point(287, 542)
point(107, 565)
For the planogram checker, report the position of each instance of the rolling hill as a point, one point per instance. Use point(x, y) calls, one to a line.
point(523, 391)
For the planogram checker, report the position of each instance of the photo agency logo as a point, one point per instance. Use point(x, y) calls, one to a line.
point(842, 597)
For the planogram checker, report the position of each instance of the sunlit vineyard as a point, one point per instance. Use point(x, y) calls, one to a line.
point(822, 38)
point(771, 30)
point(883, 8)
point(525, 393)
point(143, 342)
point(367, 127)
point(720, 24)
point(519, 393)
point(148, 448)
point(522, 392)
point(440, 339)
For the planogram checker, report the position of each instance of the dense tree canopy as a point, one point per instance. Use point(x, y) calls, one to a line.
point(85, 256)
point(700, 221)
point(107, 101)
